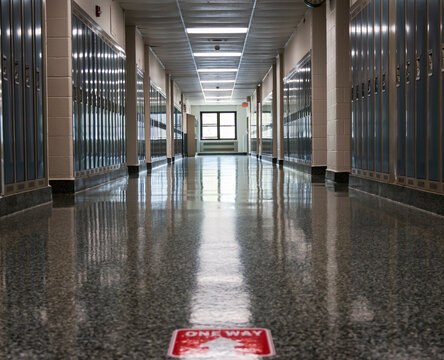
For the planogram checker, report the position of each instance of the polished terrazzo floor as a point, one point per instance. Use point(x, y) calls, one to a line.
point(221, 242)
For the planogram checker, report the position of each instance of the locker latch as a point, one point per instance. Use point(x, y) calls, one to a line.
point(398, 76)
point(442, 58)
point(369, 87)
point(357, 92)
point(430, 63)
point(37, 78)
point(363, 90)
point(407, 72)
point(376, 85)
point(27, 76)
point(16, 73)
point(5, 67)
point(383, 85)
point(418, 68)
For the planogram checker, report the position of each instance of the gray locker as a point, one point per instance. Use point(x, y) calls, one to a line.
point(38, 82)
point(369, 90)
point(359, 92)
point(442, 92)
point(364, 57)
point(421, 88)
point(385, 86)
point(75, 92)
point(353, 103)
point(377, 88)
point(433, 70)
point(410, 87)
point(400, 86)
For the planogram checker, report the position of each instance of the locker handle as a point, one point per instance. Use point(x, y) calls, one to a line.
point(357, 92)
point(27, 76)
point(369, 87)
point(363, 90)
point(383, 82)
point(37, 78)
point(407, 72)
point(430, 63)
point(418, 68)
point(16, 73)
point(442, 58)
point(398, 76)
point(5, 67)
point(376, 85)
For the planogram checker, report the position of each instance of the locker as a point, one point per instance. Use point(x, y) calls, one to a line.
point(442, 93)
point(364, 66)
point(377, 87)
point(38, 82)
point(410, 87)
point(29, 90)
point(17, 65)
point(87, 90)
point(353, 112)
point(7, 96)
point(75, 90)
point(80, 133)
point(107, 117)
point(400, 86)
point(421, 88)
point(359, 92)
point(433, 70)
point(102, 105)
point(369, 89)
point(385, 86)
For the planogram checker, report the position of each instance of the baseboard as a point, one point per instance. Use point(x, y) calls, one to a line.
point(337, 177)
point(136, 169)
point(21, 201)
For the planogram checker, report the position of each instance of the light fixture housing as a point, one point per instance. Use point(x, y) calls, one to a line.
point(216, 70)
point(217, 30)
point(218, 90)
point(217, 54)
point(218, 81)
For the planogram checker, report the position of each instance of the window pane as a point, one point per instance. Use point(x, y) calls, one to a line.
point(227, 132)
point(209, 119)
point(209, 132)
point(227, 119)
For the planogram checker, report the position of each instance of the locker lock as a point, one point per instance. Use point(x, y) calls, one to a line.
point(384, 82)
point(376, 85)
point(442, 58)
point(418, 68)
point(398, 76)
point(407, 72)
point(369, 87)
point(430, 63)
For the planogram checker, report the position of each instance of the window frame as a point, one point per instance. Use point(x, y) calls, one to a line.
point(218, 125)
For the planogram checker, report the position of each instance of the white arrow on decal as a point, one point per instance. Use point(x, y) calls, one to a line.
point(222, 345)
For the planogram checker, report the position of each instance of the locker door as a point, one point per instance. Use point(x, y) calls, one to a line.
point(29, 90)
point(421, 88)
point(115, 107)
point(377, 89)
point(410, 87)
point(385, 86)
point(81, 97)
point(364, 57)
point(38, 80)
point(369, 89)
point(353, 112)
point(100, 102)
point(93, 101)
point(87, 89)
point(433, 56)
point(7, 79)
point(359, 92)
point(18, 91)
point(442, 92)
point(123, 108)
point(400, 86)
point(75, 92)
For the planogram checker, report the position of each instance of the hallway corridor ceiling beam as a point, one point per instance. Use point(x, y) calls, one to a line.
point(270, 25)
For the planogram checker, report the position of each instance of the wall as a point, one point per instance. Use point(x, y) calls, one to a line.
point(241, 121)
point(177, 93)
point(140, 57)
point(112, 19)
point(267, 84)
point(157, 72)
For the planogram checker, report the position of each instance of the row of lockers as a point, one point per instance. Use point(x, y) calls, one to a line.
point(141, 152)
point(297, 113)
point(419, 64)
point(158, 106)
point(253, 133)
point(21, 119)
point(98, 101)
point(178, 134)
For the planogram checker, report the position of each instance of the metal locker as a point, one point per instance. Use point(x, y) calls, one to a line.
point(410, 86)
point(385, 86)
point(38, 81)
point(123, 108)
point(17, 66)
point(353, 111)
point(364, 65)
point(400, 86)
point(358, 91)
point(87, 89)
point(377, 87)
point(75, 92)
point(114, 107)
point(421, 88)
point(28, 40)
point(80, 100)
point(93, 76)
point(105, 105)
point(101, 106)
point(7, 96)
point(113, 112)
point(369, 89)
point(433, 70)
point(442, 90)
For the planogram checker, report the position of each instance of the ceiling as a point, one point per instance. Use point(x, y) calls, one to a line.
point(162, 23)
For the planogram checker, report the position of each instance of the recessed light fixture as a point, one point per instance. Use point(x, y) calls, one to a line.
point(218, 89)
point(217, 54)
point(217, 81)
point(217, 70)
point(216, 30)
point(218, 97)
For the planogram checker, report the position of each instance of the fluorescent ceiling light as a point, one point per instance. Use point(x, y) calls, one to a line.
point(217, 54)
point(217, 81)
point(216, 30)
point(218, 89)
point(217, 70)
point(217, 97)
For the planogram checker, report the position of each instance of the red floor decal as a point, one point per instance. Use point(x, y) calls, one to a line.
point(215, 343)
